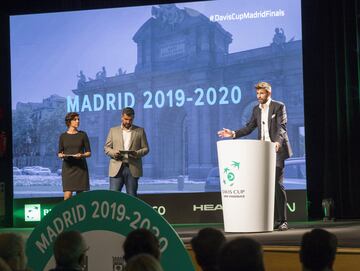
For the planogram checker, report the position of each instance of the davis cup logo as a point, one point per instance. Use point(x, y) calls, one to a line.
point(230, 173)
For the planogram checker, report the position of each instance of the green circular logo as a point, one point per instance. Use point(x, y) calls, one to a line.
point(229, 173)
point(104, 218)
point(230, 176)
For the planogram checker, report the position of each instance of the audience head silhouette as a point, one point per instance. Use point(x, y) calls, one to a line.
point(241, 254)
point(3, 265)
point(318, 250)
point(143, 262)
point(12, 251)
point(206, 245)
point(70, 251)
point(141, 241)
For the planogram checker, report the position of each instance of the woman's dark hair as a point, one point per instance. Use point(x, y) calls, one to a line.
point(69, 117)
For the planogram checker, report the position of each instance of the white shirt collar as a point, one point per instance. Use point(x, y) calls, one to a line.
point(125, 129)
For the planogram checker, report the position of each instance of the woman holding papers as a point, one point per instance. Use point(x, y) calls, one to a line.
point(74, 148)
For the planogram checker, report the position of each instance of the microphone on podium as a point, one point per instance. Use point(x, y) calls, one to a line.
point(263, 131)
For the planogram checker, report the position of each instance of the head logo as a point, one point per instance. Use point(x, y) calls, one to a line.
point(230, 173)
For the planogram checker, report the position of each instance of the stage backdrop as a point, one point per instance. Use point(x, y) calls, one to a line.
point(187, 69)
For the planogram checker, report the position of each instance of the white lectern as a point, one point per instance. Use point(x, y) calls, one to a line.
point(247, 176)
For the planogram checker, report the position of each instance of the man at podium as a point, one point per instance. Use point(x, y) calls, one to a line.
point(270, 118)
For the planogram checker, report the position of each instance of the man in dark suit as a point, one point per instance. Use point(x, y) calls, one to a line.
point(126, 145)
point(270, 118)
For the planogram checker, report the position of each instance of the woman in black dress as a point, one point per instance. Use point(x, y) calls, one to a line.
point(74, 147)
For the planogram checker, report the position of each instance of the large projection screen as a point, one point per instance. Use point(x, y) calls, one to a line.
point(188, 69)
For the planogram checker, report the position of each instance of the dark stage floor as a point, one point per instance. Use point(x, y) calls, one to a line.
point(348, 233)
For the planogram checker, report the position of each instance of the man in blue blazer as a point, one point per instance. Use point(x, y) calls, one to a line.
point(270, 118)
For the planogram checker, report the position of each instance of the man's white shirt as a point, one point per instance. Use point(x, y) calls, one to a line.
point(265, 135)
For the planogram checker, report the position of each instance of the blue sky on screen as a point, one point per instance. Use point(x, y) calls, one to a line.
point(49, 50)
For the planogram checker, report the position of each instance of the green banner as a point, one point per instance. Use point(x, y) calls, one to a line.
point(105, 218)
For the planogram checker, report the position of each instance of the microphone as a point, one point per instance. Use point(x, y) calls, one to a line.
point(262, 130)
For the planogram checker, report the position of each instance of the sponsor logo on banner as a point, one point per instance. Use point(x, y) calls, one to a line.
point(32, 212)
point(207, 207)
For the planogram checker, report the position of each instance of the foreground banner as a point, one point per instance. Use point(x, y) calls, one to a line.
point(104, 218)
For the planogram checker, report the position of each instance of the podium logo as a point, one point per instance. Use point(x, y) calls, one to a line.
point(229, 173)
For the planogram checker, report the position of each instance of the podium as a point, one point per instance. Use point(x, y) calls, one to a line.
point(247, 177)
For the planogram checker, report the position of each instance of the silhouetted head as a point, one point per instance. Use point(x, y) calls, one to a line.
point(12, 251)
point(70, 250)
point(241, 254)
point(141, 241)
point(318, 250)
point(206, 245)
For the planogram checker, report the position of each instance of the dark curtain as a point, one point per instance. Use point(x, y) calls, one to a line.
point(331, 94)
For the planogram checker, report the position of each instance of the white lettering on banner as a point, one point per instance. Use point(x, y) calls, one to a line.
point(160, 209)
point(247, 15)
point(98, 102)
point(207, 207)
point(58, 224)
point(86, 104)
point(46, 211)
point(43, 244)
point(208, 96)
point(51, 234)
point(72, 105)
point(67, 218)
point(110, 101)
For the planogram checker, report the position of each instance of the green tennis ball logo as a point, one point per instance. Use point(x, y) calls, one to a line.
point(230, 176)
point(230, 173)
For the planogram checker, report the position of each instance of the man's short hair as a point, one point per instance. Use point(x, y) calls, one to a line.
point(318, 249)
point(128, 111)
point(263, 85)
point(69, 247)
point(141, 241)
point(12, 247)
point(241, 254)
point(206, 245)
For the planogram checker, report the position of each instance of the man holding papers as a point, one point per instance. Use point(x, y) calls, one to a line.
point(126, 145)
